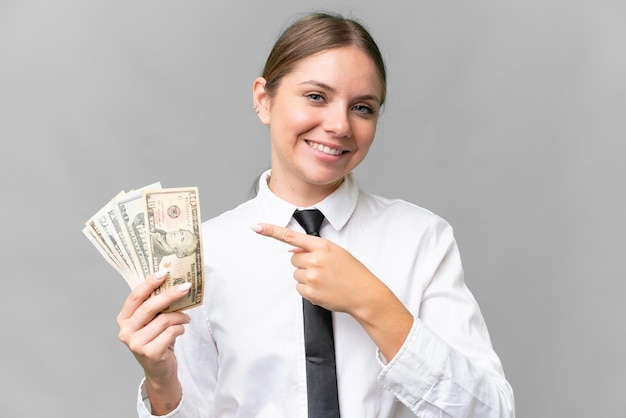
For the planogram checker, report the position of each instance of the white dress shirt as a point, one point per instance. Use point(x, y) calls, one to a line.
point(242, 355)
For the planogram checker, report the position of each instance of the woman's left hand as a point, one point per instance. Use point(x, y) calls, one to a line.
point(329, 276)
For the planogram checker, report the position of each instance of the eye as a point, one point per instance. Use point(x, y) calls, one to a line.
point(363, 109)
point(315, 97)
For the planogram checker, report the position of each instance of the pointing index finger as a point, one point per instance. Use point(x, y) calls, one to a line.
point(286, 235)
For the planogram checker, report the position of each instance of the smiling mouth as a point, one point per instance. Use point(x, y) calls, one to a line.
point(324, 148)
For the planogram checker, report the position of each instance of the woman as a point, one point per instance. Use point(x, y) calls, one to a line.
point(409, 339)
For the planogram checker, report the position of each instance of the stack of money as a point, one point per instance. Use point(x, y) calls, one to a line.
point(150, 229)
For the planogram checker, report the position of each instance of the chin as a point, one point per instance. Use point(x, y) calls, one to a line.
point(325, 181)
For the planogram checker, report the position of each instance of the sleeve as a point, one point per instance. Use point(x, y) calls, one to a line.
point(196, 354)
point(447, 366)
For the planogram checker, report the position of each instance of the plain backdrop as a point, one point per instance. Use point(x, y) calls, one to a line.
point(507, 118)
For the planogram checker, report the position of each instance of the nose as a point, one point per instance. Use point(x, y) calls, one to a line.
point(337, 122)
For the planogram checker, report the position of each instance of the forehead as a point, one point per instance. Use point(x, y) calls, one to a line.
point(343, 67)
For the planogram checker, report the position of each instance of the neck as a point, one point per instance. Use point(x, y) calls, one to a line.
point(300, 193)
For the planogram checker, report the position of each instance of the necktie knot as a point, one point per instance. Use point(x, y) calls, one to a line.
point(309, 219)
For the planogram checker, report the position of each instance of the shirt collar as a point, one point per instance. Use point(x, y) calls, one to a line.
point(337, 207)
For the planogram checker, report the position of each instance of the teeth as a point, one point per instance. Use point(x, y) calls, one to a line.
point(324, 149)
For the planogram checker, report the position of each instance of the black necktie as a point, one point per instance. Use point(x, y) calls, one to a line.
point(321, 377)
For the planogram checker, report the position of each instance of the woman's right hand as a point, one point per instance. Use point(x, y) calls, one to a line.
point(151, 335)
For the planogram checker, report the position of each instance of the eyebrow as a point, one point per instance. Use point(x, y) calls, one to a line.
point(325, 86)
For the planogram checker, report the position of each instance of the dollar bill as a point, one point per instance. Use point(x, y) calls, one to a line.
point(96, 226)
point(107, 224)
point(129, 208)
point(151, 229)
point(103, 250)
point(172, 226)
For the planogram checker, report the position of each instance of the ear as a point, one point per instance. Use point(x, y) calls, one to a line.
point(261, 100)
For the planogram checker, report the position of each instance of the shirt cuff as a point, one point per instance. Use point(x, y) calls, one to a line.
point(417, 366)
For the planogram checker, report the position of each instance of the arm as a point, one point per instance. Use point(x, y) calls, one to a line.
point(447, 363)
point(440, 358)
point(150, 336)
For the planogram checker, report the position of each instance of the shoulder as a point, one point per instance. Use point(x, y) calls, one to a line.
point(402, 219)
point(377, 206)
point(232, 218)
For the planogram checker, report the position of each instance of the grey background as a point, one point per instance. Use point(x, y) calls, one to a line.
point(506, 118)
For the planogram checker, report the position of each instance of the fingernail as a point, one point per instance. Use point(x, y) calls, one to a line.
point(182, 288)
point(257, 228)
point(159, 275)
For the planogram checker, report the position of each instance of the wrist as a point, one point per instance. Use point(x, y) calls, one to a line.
point(165, 395)
point(374, 304)
point(387, 322)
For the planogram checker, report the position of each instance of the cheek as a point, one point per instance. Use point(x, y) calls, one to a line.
point(293, 121)
point(364, 133)
point(301, 119)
